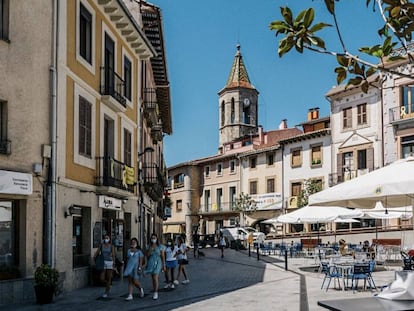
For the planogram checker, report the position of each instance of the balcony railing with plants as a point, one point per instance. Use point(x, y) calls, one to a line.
point(113, 173)
point(113, 85)
point(153, 180)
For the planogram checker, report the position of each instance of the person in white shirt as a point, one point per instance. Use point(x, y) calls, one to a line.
point(170, 262)
point(182, 261)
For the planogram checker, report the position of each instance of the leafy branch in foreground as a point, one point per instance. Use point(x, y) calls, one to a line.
point(301, 32)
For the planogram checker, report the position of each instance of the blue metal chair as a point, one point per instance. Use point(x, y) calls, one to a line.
point(363, 272)
point(330, 273)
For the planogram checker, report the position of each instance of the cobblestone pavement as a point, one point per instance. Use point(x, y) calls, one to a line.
point(235, 282)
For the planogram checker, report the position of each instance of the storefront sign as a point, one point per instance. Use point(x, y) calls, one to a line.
point(110, 203)
point(167, 211)
point(267, 201)
point(15, 183)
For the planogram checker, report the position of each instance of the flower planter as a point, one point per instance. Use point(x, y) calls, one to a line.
point(44, 294)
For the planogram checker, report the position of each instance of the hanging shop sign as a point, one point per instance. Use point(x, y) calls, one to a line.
point(110, 203)
point(16, 183)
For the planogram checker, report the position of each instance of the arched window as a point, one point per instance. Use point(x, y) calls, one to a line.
point(233, 113)
point(223, 113)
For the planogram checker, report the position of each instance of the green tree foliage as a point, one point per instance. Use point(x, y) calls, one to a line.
point(301, 32)
point(310, 186)
point(244, 203)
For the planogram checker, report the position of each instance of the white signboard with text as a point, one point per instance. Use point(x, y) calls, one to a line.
point(110, 203)
point(267, 201)
point(16, 183)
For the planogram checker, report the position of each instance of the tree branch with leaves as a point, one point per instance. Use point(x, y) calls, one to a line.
point(302, 33)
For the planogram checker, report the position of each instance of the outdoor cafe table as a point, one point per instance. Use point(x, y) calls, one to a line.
point(367, 304)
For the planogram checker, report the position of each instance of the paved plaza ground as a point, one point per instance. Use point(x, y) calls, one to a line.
point(235, 282)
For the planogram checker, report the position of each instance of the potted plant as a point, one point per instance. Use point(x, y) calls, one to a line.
point(45, 283)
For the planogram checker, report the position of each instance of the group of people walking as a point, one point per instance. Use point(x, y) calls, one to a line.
point(156, 258)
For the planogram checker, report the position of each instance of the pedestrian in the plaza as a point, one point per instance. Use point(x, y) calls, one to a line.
point(171, 263)
point(221, 243)
point(155, 262)
point(196, 243)
point(108, 251)
point(133, 268)
point(182, 261)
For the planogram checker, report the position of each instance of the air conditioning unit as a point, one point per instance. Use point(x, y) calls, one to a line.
point(293, 202)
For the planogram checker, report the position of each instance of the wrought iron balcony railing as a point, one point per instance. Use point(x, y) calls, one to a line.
point(113, 173)
point(153, 180)
point(113, 85)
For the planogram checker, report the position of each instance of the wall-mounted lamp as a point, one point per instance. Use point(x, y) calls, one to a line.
point(73, 210)
point(147, 149)
point(137, 219)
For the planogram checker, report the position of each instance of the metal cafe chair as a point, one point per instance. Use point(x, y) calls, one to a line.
point(330, 273)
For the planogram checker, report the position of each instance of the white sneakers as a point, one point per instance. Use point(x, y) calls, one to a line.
point(141, 293)
point(129, 297)
point(155, 296)
point(176, 282)
point(104, 295)
point(185, 282)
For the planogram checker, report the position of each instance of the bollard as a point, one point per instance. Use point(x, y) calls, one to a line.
point(257, 250)
point(249, 250)
point(286, 260)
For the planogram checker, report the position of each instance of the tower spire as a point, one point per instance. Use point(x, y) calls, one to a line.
point(238, 76)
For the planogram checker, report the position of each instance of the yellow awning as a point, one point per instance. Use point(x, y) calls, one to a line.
point(173, 229)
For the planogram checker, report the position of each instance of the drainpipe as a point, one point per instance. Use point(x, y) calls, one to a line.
point(50, 213)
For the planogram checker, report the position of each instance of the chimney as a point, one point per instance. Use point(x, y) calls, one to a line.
point(315, 113)
point(261, 136)
point(310, 114)
point(283, 124)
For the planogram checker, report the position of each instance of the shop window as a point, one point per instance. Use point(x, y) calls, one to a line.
point(80, 238)
point(8, 233)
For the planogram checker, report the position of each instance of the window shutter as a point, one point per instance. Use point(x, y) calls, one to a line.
point(339, 166)
point(370, 159)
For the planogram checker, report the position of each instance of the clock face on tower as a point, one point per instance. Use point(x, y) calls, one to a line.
point(246, 102)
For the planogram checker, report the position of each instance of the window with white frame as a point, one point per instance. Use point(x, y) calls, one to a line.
point(128, 78)
point(85, 35)
point(84, 127)
point(4, 20)
point(362, 114)
point(347, 118)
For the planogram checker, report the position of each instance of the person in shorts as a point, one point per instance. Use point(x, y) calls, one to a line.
point(108, 251)
point(182, 261)
point(171, 262)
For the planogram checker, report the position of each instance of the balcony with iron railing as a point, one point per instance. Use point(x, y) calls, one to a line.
point(335, 178)
point(115, 174)
point(219, 207)
point(153, 180)
point(113, 89)
point(401, 113)
point(151, 105)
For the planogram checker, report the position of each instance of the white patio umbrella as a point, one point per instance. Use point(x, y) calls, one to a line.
point(347, 220)
point(270, 221)
point(380, 212)
point(317, 214)
point(392, 184)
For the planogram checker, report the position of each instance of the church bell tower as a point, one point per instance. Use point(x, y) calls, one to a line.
point(238, 105)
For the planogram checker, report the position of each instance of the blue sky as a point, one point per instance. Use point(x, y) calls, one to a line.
point(201, 39)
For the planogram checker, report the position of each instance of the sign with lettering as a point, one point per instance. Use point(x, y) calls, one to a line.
point(16, 183)
point(267, 201)
point(110, 203)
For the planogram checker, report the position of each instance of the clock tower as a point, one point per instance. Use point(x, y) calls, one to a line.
point(238, 106)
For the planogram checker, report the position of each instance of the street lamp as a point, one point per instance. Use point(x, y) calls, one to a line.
point(147, 149)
